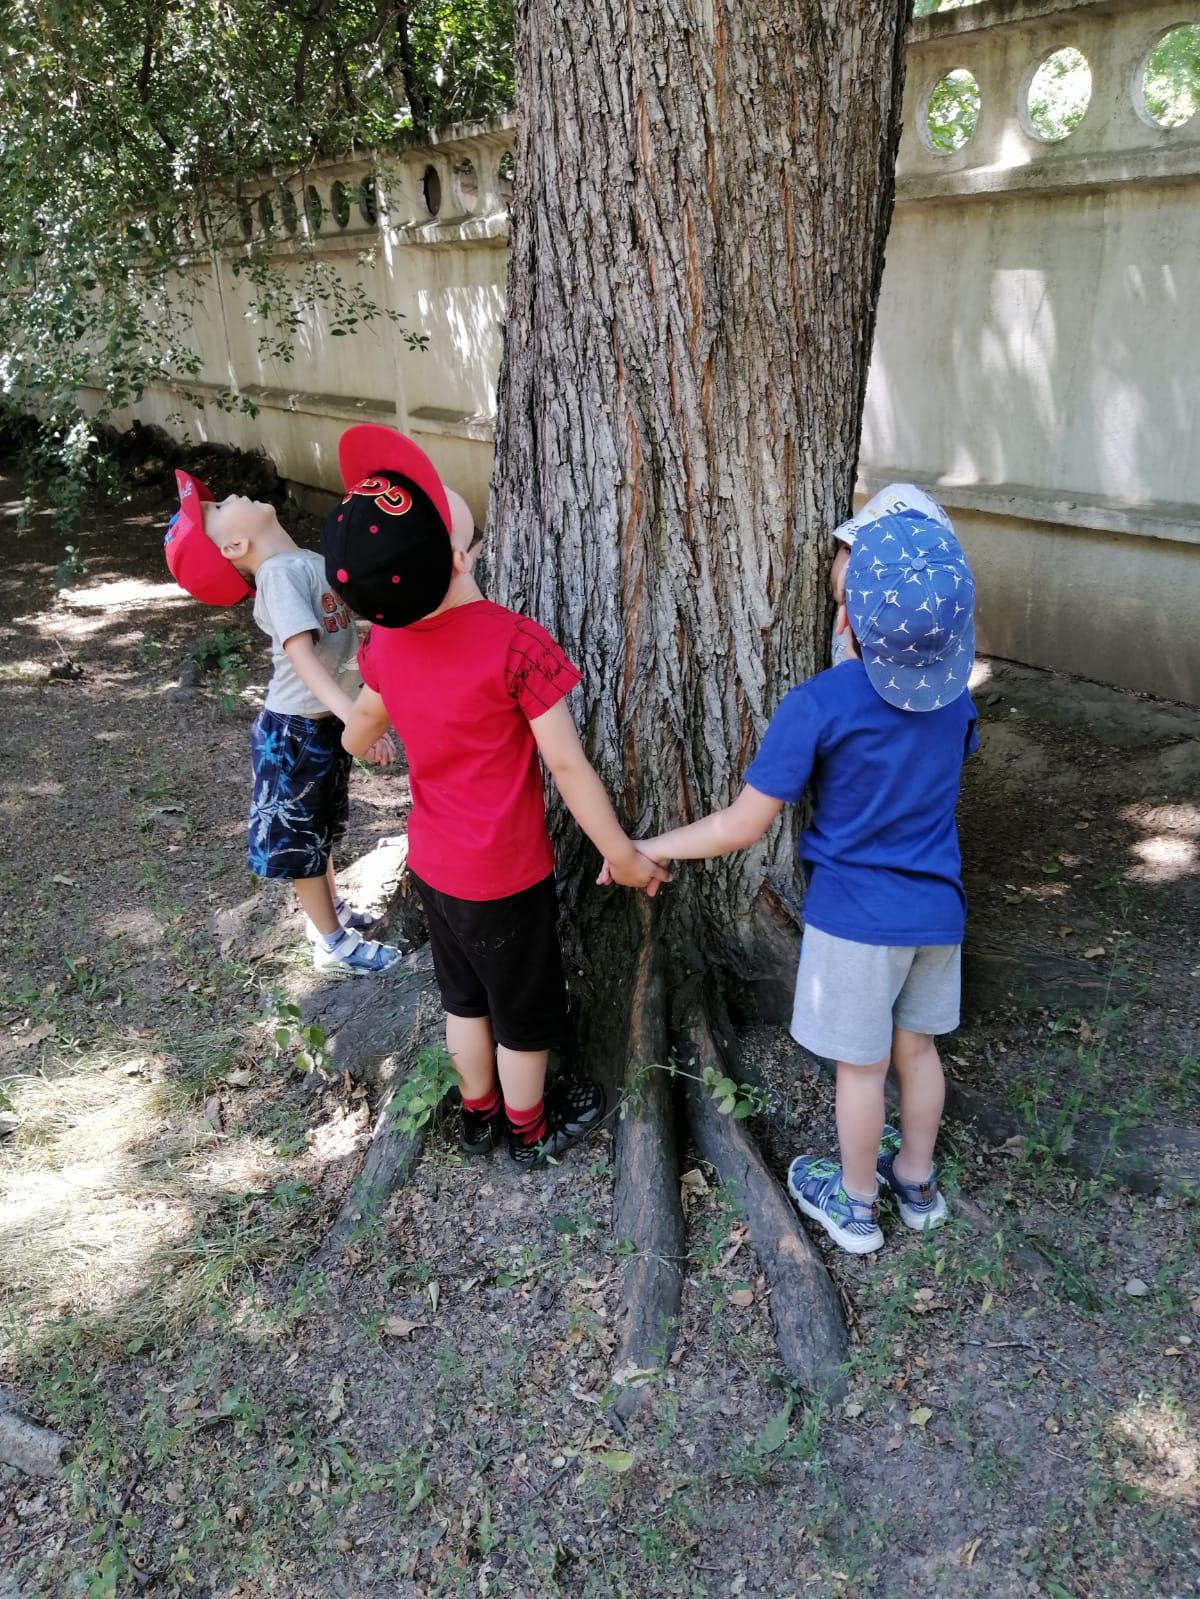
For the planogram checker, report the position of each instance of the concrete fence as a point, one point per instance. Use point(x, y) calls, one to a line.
point(1037, 354)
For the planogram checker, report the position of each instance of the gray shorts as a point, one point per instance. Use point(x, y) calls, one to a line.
point(850, 996)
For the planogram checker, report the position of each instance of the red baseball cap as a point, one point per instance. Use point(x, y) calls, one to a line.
point(195, 562)
point(370, 448)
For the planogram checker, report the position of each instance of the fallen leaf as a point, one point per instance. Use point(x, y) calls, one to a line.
point(1095, 953)
point(67, 882)
point(919, 1416)
point(741, 1297)
point(9, 1122)
point(893, 1443)
point(694, 1181)
point(1136, 1288)
point(434, 1293)
point(239, 1079)
point(969, 1551)
point(1053, 1424)
point(337, 1399)
point(617, 1460)
point(852, 1409)
point(924, 1294)
point(401, 1327)
point(773, 1434)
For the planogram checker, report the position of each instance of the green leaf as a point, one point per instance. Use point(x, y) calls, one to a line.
point(773, 1434)
point(726, 1105)
point(304, 1061)
point(743, 1110)
point(617, 1460)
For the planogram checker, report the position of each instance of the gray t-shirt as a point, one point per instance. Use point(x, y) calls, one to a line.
point(293, 597)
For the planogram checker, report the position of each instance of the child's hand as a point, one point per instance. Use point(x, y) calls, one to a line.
point(382, 752)
point(636, 871)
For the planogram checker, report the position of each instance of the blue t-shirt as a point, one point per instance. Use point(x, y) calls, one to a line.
point(882, 846)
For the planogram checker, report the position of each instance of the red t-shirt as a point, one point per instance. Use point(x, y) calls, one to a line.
point(461, 689)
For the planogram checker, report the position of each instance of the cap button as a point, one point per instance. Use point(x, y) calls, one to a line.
point(917, 563)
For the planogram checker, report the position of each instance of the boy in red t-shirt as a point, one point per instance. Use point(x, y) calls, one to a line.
point(475, 693)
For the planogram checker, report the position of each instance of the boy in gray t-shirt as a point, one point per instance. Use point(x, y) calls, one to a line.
point(300, 801)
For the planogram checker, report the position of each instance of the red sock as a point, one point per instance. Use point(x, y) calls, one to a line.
point(488, 1106)
point(528, 1125)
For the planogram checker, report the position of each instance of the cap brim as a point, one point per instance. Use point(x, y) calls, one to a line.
point(371, 447)
point(930, 687)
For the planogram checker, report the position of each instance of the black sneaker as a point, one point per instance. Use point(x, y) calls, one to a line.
point(479, 1135)
point(574, 1107)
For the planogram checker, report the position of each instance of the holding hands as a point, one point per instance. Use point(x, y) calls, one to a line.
point(637, 870)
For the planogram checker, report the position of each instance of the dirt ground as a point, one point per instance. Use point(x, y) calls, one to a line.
point(1023, 1414)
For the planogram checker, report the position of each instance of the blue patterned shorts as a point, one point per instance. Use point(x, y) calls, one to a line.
point(301, 796)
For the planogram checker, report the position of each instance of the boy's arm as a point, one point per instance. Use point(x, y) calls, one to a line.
point(585, 798)
point(366, 723)
point(736, 827)
point(302, 652)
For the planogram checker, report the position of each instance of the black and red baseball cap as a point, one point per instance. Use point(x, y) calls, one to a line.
point(387, 545)
point(195, 562)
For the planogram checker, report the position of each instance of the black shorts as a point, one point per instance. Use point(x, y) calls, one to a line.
point(300, 800)
point(501, 958)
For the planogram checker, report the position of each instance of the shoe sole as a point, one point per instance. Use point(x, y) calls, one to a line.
point(852, 1243)
point(921, 1221)
point(352, 971)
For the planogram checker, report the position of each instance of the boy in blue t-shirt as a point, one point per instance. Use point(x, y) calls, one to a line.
point(881, 738)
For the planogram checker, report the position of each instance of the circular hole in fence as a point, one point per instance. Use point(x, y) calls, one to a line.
point(368, 205)
point(951, 111)
point(266, 213)
point(431, 188)
point(314, 208)
point(245, 221)
point(287, 210)
point(1168, 94)
point(1059, 93)
point(505, 174)
point(466, 185)
point(339, 203)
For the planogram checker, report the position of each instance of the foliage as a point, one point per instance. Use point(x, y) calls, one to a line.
point(1059, 94)
point(126, 134)
point(1171, 86)
point(953, 110)
point(428, 1080)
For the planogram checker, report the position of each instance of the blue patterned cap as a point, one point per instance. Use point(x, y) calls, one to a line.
point(910, 598)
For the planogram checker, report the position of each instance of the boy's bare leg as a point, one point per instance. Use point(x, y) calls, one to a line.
point(317, 902)
point(469, 1045)
point(860, 1114)
point(918, 1068)
point(522, 1076)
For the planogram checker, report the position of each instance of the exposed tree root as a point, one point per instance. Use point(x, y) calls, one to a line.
point(33, 1449)
point(646, 1205)
point(366, 1019)
point(373, 1038)
point(805, 1312)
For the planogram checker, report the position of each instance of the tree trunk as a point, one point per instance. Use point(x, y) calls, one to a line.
point(701, 200)
point(703, 189)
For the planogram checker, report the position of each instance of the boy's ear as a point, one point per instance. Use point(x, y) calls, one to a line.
point(462, 562)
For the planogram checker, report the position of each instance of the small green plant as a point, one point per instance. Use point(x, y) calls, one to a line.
point(225, 657)
point(293, 1034)
point(87, 982)
point(70, 569)
point(148, 652)
point(429, 1080)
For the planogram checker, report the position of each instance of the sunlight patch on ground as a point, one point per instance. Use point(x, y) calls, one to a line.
point(1164, 859)
point(981, 674)
point(1168, 1451)
point(120, 593)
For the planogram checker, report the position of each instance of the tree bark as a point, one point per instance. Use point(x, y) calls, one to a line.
point(701, 200)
